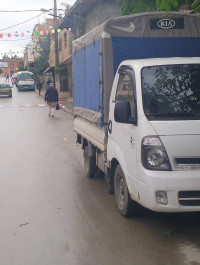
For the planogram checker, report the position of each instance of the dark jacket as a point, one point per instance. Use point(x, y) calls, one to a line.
point(39, 86)
point(51, 94)
point(48, 82)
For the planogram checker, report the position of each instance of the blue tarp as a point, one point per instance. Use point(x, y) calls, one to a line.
point(141, 48)
point(86, 62)
point(86, 67)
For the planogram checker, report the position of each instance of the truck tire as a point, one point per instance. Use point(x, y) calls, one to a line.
point(90, 163)
point(126, 206)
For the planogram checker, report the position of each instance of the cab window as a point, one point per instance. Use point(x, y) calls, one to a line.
point(125, 91)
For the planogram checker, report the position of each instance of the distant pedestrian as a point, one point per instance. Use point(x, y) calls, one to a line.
point(13, 80)
point(48, 82)
point(51, 97)
point(39, 87)
point(7, 78)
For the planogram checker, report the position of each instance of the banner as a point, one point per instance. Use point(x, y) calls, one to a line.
point(22, 34)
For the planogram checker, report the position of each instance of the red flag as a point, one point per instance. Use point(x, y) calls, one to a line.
point(1, 35)
point(9, 35)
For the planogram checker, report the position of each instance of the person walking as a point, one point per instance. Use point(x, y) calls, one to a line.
point(51, 97)
point(12, 80)
point(7, 78)
point(48, 83)
point(39, 87)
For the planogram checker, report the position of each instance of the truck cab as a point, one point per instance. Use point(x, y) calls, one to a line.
point(154, 134)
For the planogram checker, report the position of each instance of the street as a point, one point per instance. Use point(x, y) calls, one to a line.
point(51, 214)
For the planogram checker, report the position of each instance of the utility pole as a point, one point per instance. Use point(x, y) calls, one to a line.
point(57, 80)
point(56, 34)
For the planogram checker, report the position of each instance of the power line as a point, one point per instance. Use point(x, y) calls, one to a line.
point(10, 11)
point(39, 10)
point(17, 39)
point(22, 22)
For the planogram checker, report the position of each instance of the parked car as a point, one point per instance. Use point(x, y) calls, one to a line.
point(5, 90)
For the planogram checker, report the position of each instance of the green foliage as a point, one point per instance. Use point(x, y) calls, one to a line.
point(61, 70)
point(39, 66)
point(196, 5)
point(135, 6)
point(21, 66)
point(41, 63)
point(44, 46)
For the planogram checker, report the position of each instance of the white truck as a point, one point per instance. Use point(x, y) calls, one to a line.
point(141, 130)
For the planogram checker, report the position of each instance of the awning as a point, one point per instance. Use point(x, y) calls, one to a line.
point(68, 59)
point(49, 69)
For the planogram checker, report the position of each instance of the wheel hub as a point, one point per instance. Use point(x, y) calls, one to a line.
point(121, 189)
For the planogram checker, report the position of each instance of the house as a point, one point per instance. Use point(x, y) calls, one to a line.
point(37, 46)
point(82, 17)
point(88, 14)
point(64, 54)
point(39, 36)
point(28, 55)
point(10, 65)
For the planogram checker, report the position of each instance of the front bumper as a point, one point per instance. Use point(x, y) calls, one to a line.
point(9, 94)
point(24, 88)
point(182, 189)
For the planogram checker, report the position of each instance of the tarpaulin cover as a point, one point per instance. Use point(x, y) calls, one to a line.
point(86, 72)
point(137, 48)
point(97, 54)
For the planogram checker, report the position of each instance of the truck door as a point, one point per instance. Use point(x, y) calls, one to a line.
point(122, 133)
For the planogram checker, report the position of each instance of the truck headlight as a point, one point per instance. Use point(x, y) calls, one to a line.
point(154, 155)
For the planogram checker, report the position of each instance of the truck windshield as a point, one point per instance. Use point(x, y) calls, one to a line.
point(171, 92)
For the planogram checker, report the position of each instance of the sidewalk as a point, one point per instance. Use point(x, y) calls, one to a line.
point(65, 104)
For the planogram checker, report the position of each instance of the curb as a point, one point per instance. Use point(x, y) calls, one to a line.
point(65, 109)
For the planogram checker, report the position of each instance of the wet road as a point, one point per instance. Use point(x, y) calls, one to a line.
point(51, 214)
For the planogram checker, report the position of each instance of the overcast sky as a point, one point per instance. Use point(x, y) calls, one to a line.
point(16, 22)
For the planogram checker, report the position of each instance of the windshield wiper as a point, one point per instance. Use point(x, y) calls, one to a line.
point(173, 115)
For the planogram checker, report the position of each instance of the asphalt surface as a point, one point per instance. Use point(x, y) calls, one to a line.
point(51, 214)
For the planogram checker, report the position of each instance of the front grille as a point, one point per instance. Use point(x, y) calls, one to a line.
point(188, 161)
point(189, 198)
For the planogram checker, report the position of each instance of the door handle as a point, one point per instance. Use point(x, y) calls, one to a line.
point(110, 126)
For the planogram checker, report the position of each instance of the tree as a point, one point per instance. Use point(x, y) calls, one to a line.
point(39, 66)
point(134, 6)
point(21, 66)
point(41, 62)
point(196, 5)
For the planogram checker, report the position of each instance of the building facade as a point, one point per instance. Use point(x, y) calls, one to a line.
point(28, 56)
point(82, 17)
point(10, 65)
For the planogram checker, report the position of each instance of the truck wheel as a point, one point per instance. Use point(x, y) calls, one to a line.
point(126, 206)
point(90, 163)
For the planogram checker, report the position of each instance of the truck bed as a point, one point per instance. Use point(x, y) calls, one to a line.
point(91, 132)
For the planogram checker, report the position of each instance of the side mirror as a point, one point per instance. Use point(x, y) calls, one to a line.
point(122, 113)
